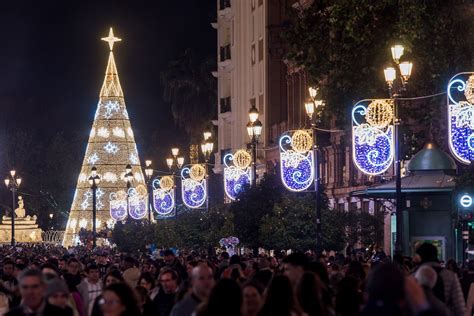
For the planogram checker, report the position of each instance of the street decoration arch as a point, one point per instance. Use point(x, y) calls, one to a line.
point(237, 172)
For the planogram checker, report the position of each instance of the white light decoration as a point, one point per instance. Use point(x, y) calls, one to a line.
point(85, 199)
point(237, 174)
point(461, 116)
point(82, 177)
point(129, 132)
point(92, 160)
point(111, 148)
point(193, 192)
point(103, 132)
point(163, 196)
point(118, 205)
point(373, 135)
point(110, 177)
point(125, 113)
point(110, 223)
point(134, 159)
point(296, 167)
point(97, 223)
point(111, 107)
point(118, 132)
point(138, 201)
point(83, 223)
point(92, 133)
point(72, 224)
point(138, 176)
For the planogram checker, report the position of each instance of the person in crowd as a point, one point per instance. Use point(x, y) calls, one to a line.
point(33, 290)
point(224, 299)
point(348, 299)
point(57, 294)
point(131, 273)
point(310, 295)
point(252, 293)
point(76, 296)
point(447, 287)
point(467, 279)
point(148, 282)
point(119, 300)
point(49, 271)
point(90, 288)
point(144, 302)
point(8, 278)
point(427, 277)
point(74, 271)
point(62, 265)
point(102, 263)
point(281, 299)
point(202, 282)
point(264, 273)
point(165, 299)
point(173, 263)
point(294, 266)
point(112, 277)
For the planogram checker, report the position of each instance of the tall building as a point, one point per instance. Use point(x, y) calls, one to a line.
point(250, 72)
point(110, 149)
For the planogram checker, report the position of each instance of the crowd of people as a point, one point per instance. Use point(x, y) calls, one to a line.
point(48, 280)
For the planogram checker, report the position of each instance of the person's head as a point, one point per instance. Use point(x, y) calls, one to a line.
point(348, 297)
point(386, 284)
point(57, 293)
point(32, 288)
point(310, 294)
point(62, 264)
point(169, 280)
point(142, 295)
point(356, 270)
point(253, 297)
point(8, 267)
point(294, 266)
point(73, 266)
point(93, 273)
point(147, 281)
point(118, 299)
point(128, 262)
point(202, 280)
point(169, 257)
point(113, 276)
point(280, 298)
point(427, 253)
point(190, 266)
point(224, 255)
point(225, 298)
point(426, 276)
point(49, 271)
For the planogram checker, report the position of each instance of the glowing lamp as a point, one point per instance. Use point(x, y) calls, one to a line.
point(180, 161)
point(250, 129)
point(94, 171)
point(309, 107)
point(128, 168)
point(257, 128)
point(390, 75)
point(148, 169)
point(405, 69)
point(313, 92)
point(397, 52)
point(253, 114)
point(169, 162)
point(147, 163)
point(7, 182)
point(175, 151)
point(12, 173)
point(207, 135)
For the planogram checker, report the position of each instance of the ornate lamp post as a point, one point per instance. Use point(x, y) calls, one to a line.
point(397, 79)
point(94, 181)
point(311, 106)
point(129, 179)
point(149, 174)
point(254, 130)
point(207, 147)
point(13, 183)
point(174, 163)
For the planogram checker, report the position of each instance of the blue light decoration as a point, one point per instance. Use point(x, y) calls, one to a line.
point(237, 175)
point(193, 189)
point(118, 205)
point(163, 197)
point(296, 161)
point(461, 116)
point(137, 202)
point(373, 140)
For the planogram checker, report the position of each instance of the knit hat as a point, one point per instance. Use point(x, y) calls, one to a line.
point(56, 285)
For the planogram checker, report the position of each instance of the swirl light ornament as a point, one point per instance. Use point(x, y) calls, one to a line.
point(163, 196)
point(296, 167)
point(461, 116)
point(193, 192)
point(237, 174)
point(373, 140)
point(138, 200)
point(118, 205)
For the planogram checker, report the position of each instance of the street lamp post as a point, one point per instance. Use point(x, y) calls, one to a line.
point(207, 147)
point(397, 79)
point(310, 107)
point(254, 130)
point(13, 183)
point(129, 178)
point(94, 181)
point(175, 163)
point(149, 174)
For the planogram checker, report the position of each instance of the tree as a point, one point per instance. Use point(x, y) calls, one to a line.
point(133, 236)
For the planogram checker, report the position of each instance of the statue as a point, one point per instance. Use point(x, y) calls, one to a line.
point(20, 211)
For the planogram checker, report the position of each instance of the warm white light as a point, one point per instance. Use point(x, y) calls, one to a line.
point(147, 163)
point(51, 215)
point(111, 39)
point(313, 92)
point(250, 129)
point(253, 114)
point(210, 146)
point(390, 75)
point(257, 128)
point(405, 69)
point(169, 162)
point(94, 171)
point(175, 151)
point(128, 168)
point(7, 182)
point(397, 52)
point(309, 107)
point(18, 182)
point(12, 173)
point(180, 161)
point(204, 148)
point(207, 135)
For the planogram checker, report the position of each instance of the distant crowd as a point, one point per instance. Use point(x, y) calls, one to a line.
point(49, 280)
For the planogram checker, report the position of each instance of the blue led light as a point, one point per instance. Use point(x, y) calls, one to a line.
point(136, 204)
point(193, 192)
point(461, 117)
point(118, 209)
point(235, 178)
point(296, 169)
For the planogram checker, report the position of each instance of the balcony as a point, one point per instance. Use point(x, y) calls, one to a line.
point(225, 53)
point(225, 105)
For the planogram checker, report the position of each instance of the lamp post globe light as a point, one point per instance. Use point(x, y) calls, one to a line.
point(397, 78)
point(310, 107)
point(174, 162)
point(94, 181)
point(13, 183)
point(149, 175)
point(207, 147)
point(254, 130)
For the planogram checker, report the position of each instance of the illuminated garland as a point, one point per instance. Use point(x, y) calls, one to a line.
point(118, 205)
point(193, 192)
point(372, 135)
point(296, 167)
point(236, 176)
point(138, 200)
point(163, 195)
point(461, 117)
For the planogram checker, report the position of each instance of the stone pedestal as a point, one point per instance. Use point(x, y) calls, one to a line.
point(26, 230)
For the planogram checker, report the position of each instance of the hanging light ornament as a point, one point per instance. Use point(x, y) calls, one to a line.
point(166, 183)
point(197, 172)
point(242, 159)
point(380, 113)
point(301, 141)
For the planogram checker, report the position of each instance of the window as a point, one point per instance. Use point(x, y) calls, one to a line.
point(260, 49)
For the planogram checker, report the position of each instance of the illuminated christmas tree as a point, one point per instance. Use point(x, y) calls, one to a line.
point(110, 149)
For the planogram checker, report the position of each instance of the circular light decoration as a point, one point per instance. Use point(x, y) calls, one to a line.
point(461, 116)
point(242, 159)
point(380, 113)
point(465, 200)
point(372, 135)
point(118, 205)
point(296, 167)
point(166, 183)
point(198, 172)
point(301, 141)
point(193, 192)
point(236, 176)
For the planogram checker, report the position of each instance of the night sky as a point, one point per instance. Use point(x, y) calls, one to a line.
point(52, 61)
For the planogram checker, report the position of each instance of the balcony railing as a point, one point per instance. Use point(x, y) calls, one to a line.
point(224, 4)
point(225, 52)
point(225, 105)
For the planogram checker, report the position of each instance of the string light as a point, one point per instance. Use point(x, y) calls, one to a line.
point(110, 177)
point(301, 141)
point(198, 172)
point(111, 107)
point(380, 113)
point(236, 176)
point(193, 192)
point(166, 183)
point(134, 159)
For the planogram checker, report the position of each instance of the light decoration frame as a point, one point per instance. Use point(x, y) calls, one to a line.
point(373, 137)
point(296, 161)
point(138, 201)
point(237, 173)
point(118, 205)
point(164, 196)
point(460, 99)
point(193, 190)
